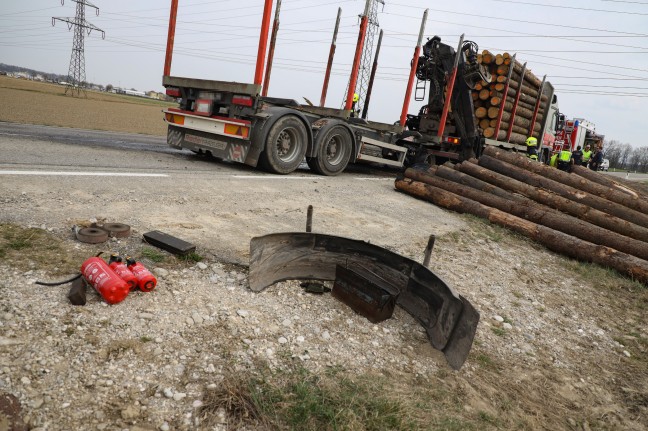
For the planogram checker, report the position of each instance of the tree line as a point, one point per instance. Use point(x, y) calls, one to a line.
point(625, 156)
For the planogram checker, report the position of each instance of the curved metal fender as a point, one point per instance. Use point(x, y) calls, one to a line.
point(448, 318)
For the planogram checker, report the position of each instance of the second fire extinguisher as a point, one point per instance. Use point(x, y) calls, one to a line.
point(145, 280)
point(115, 263)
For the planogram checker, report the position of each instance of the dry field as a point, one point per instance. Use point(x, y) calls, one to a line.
point(32, 102)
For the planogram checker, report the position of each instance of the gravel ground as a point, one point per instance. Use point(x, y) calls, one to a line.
point(146, 363)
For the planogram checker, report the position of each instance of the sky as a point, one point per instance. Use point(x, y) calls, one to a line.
point(594, 52)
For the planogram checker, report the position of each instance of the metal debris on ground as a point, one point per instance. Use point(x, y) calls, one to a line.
point(169, 243)
point(448, 318)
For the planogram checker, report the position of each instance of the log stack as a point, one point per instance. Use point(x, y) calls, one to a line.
point(509, 100)
point(569, 213)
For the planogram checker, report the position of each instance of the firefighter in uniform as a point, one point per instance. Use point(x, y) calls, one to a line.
point(564, 160)
point(587, 155)
point(353, 106)
point(532, 148)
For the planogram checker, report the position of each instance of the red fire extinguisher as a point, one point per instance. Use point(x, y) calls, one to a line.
point(111, 288)
point(115, 263)
point(145, 280)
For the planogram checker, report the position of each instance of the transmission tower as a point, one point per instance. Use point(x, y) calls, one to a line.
point(76, 80)
point(367, 51)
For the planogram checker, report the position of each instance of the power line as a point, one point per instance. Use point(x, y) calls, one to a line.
point(570, 7)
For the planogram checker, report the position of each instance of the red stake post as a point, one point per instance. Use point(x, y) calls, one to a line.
point(412, 75)
point(453, 77)
point(329, 66)
point(273, 42)
point(358, 54)
point(263, 42)
point(374, 68)
point(515, 103)
point(170, 37)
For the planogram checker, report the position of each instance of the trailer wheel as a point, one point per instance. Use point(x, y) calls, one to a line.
point(333, 152)
point(285, 146)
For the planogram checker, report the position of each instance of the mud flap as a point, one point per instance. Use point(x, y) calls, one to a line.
point(222, 147)
point(449, 319)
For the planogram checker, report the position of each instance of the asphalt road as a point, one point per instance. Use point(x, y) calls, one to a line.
point(56, 177)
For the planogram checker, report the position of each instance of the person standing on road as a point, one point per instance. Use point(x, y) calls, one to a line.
point(597, 158)
point(577, 156)
point(564, 160)
point(532, 148)
point(587, 155)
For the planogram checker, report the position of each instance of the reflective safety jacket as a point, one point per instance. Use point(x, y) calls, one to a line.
point(587, 155)
point(564, 156)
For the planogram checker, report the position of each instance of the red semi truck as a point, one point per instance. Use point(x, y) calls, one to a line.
point(234, 121)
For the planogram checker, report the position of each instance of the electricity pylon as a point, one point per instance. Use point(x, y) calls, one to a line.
point(364, 72)
point(76, 80)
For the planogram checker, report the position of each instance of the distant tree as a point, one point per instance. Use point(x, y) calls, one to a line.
point(109, 87)
point(626, 151)
point(612, 152)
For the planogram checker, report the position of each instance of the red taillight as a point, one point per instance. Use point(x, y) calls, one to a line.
point(239, 99)
point(203, 107)
point(173, 92)
point(453, 140)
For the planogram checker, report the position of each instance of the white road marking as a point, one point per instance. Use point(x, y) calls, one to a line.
point(82, 174)
point(289, 177)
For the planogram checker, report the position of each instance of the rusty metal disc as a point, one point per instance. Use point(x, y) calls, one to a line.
point(117, 230)
point(92, 235)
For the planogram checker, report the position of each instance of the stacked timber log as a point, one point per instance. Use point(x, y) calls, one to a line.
point(570, 213)
point(505, 106)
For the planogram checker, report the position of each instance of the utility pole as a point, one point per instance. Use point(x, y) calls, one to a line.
point(76, 73)
point(364, 74)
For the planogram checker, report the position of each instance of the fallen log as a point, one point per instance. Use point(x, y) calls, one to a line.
point(532, 211)
point(611, 182)
point(552, 239)
point(575, 181)
point(477, 174)
point(537, 180)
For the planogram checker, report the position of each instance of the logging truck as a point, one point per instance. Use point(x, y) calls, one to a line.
point(236, 122)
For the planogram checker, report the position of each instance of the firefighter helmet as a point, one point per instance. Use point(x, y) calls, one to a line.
point(356, 97)
point(531, 142)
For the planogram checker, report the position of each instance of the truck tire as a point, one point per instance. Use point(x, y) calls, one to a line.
point(333, 152)
point(285, 146)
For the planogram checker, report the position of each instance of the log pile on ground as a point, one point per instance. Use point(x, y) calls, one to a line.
point(496, 99)
point(577, 214)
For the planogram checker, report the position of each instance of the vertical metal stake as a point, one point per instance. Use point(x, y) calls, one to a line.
point(428, 251)
point(309, 219)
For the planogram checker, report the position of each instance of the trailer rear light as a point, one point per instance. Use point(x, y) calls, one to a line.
point(203, 107)
point(453, 140)
point(233, 129)
point(239, 99)
point(173, 92)
point(175, 119)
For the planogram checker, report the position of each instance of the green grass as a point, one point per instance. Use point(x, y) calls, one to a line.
point(299, 400)
point(500, 332)
point(153, 255)
point(32, 248)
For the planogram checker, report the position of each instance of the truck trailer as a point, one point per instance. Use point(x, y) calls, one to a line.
point(235, 122)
